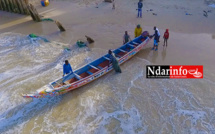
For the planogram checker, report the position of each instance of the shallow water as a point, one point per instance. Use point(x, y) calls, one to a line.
point(124, 103)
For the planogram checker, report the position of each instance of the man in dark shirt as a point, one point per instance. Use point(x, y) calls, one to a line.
point(126, 38)
point(156, 29)
point(156, 38)
point(114, 62)
point(140, 6)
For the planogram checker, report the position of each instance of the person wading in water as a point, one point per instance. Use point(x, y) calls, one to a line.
point(114, 62)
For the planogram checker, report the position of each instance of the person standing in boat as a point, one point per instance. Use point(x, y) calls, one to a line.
point(126, 38)
point(67, 68)
point(138, 31)
point(114, 62)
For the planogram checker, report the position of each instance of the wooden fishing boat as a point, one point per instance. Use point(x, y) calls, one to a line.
point(91, 71)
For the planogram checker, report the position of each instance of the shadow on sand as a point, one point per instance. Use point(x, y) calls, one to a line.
point(163, 53)
point(154, 56)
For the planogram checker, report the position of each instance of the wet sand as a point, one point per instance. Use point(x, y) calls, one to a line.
point(125, 103)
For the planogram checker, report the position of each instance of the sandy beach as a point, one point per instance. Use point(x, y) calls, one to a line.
point(127, 103)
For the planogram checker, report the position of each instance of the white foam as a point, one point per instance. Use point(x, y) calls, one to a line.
point(194, 115)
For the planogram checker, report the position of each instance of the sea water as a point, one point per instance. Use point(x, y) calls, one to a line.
point(125, 103)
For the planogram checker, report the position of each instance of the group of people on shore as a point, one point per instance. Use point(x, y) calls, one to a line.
point(156, 35)
point(137, 32)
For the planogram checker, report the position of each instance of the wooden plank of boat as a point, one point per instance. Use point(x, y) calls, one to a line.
point(135, 43)
point(94, 67)
point(122, 51)
point(77, 76)
point(131, 45)
point(106, 58)
point(89, 72)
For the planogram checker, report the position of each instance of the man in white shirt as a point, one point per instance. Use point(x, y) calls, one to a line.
point(156, 29)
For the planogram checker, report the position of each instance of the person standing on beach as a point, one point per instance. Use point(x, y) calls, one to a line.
point(166, 37)
point(156, 29)
point(126, 38)
point(139, 9)
point(97, 6)
point(156, 37)
point(138, 31)
point(113, 2)
point(67, 68)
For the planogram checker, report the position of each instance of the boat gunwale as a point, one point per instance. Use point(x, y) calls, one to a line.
point(70, 84)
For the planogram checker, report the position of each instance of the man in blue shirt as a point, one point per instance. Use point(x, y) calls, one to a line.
point(140, 6)
point(67, 68)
